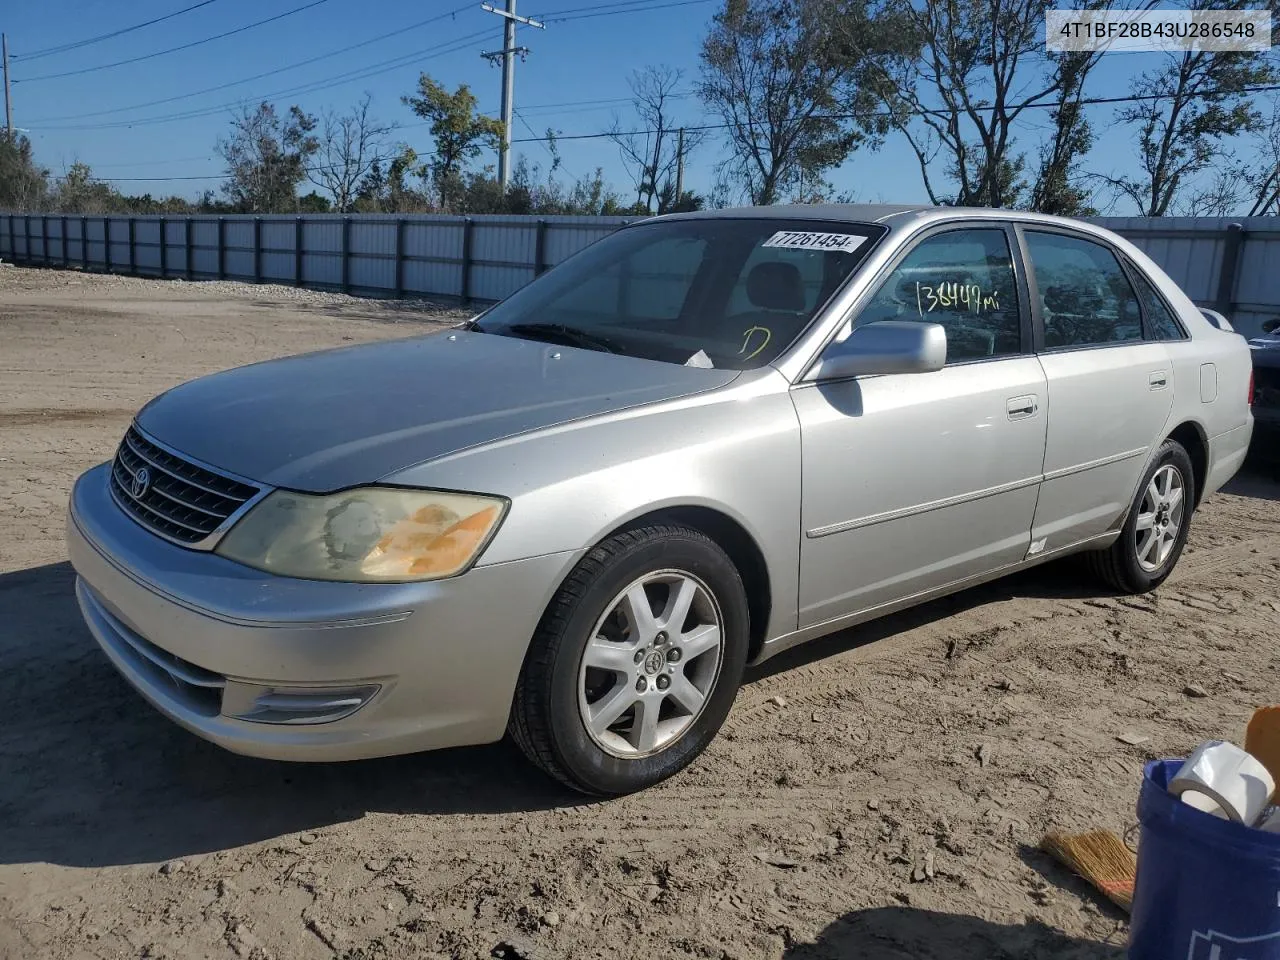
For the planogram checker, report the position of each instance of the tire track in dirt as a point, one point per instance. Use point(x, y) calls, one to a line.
point(827, 680)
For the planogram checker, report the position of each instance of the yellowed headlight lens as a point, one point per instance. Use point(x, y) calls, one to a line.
point(373, 534)
point(431, 542)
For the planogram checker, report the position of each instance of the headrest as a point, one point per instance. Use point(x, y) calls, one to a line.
point(775, 286)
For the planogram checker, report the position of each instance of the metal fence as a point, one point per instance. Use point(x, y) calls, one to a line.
point(466, 258)
point(1230, 265)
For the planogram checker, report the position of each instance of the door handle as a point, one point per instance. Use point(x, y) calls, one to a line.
point(1020, 408)
point(1158, 379)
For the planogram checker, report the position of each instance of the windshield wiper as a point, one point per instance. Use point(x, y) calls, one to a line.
point(571, 335)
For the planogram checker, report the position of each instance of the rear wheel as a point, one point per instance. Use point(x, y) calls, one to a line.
point(636, 662)
point(1157, 526)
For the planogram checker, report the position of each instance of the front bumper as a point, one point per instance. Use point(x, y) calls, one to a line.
point(402, 667)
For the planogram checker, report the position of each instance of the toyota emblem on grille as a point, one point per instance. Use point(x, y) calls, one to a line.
point(140, 483)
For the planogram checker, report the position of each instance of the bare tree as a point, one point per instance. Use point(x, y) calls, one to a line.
point(1261, 177)
point(266, 157)
point(650, 153)
point(1188, 109)
point(1220, 196)
point(980, 68)
point(786, 76)
point(348, 146)
point(1059, 186)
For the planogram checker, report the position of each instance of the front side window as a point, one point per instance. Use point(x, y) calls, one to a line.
point(964, 280)
point(1159, 317)
point(731, 292)
point(1085, 298)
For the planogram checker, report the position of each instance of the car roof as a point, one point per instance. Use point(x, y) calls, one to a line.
point(862, 212)
point(903, 218)
point(893, 215)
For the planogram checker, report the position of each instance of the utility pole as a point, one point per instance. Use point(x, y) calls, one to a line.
point(8, 103)
point(679, 165)
point(508, 57)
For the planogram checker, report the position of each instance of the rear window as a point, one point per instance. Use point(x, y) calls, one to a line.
point(1160, 319)
point(733, 293)
point(1085, 298)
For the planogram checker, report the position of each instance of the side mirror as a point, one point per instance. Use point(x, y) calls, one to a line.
point(889, 346)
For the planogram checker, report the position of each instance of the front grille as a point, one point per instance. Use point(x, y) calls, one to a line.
point(171, 495)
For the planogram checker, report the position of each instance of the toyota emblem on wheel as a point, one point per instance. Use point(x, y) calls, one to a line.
point(140, 484)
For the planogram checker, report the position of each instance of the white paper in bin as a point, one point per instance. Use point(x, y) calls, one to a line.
point(1222, 779)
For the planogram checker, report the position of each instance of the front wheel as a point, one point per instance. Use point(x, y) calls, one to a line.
point(636, 662)
point(1157, 526)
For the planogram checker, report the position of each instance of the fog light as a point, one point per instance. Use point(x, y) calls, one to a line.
point(259, 703)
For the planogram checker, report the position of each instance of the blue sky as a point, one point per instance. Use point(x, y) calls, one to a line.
point(572, 61)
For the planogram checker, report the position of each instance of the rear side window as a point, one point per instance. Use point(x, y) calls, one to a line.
point(963, 280)
point(1085, 298)
point(1159, 317)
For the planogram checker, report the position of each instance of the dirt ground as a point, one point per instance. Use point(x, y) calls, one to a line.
point(875, 795)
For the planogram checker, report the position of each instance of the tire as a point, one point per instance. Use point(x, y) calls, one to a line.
point(1124, 565)
point(560, 685)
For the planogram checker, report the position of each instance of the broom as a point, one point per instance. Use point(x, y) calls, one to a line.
point(1101, 858)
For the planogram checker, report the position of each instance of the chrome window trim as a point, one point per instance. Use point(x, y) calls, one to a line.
point(1138, 275)
point(797, 362)
point(1022, 229)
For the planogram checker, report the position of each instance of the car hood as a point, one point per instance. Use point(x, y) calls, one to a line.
point(338, 418)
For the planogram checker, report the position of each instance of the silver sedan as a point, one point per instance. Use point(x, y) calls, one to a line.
point(701, 441)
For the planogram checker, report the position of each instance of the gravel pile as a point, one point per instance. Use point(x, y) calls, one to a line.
point(15, 279)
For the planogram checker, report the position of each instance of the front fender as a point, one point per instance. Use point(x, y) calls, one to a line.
point(736, 451)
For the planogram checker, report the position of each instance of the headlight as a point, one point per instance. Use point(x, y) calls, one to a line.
point(372, 534)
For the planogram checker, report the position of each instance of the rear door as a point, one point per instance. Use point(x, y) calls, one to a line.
point(1109, 391)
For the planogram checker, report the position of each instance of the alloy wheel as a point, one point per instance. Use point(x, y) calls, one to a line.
point(651, 664)
point(1160, 517)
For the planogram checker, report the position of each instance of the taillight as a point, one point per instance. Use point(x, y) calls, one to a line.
point(1251, 396)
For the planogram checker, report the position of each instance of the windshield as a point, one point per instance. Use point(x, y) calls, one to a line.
point(731, 293)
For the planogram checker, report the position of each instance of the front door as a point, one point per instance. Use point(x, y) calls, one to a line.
point(916, 481)
point(1110, 393)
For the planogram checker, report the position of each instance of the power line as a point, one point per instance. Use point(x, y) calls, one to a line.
point(259, 76)
point(566, 15)
point(184, 46)
point(586, 106)
point(1088, 101)
point(611, 13)
point(361, 73)
point(610, 9)
point(152, 163)
point(546, 143)
point(870, 114)
point(63, 48)
point(212, 176)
